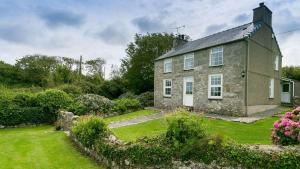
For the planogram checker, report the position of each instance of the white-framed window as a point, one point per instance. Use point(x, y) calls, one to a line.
point(276, 64)
point(271, 89)
point(168, 65)
point(189, 88)
point(216, 56)
point(167, 87)
point(188, 61)
point(215, 86)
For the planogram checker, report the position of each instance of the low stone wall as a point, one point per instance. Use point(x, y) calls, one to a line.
point(126, 164)
point(67, 119)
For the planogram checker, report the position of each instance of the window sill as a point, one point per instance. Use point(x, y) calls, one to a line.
point(167, 72)
point(216, 65)
point(215, 98)
point(167, 96)
point(188, 69)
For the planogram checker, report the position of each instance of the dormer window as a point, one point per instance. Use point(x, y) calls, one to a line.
point(188, 61)
point(216, 56)
point(168, 65)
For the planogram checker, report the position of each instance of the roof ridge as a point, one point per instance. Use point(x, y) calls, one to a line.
point(221, 32)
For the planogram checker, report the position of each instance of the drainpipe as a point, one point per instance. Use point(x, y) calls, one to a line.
point(246, 78)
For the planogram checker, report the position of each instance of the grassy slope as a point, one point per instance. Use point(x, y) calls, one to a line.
point(255, 133)
point(39, 147)
point(129, 116)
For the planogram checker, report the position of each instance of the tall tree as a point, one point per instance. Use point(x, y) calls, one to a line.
point(9, 74)
point(138, 66)
point(37, 68)
point(292, 72)
point(95, 67)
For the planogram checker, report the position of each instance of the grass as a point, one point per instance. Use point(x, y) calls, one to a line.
point(133, 132)
point(39, 147)
point(129, 116)
point(254, 133)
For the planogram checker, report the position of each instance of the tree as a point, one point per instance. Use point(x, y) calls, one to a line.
point(138, 67)
point(9, 74)
point(291, 72)
point(36, 69)
point(62, 74)
point(95, 67)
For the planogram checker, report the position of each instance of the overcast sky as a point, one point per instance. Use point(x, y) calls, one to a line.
point(103, 28)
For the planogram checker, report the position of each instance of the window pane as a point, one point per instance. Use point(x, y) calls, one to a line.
point(216, 80)
point(189, 62)
point(168, 91)
point(168, 67)
point(216, 56)
point(189, 88)
point(285, 88)
point(168, 83)
point(215, 91)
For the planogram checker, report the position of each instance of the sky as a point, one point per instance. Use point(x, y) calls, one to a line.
point(103, 28)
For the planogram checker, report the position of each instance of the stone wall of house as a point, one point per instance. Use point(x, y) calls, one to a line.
point(263, 50)
point(232, 102)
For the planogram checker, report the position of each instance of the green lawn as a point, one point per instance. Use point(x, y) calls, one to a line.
point(131, 115)
point(40, 147)
point(254, 133)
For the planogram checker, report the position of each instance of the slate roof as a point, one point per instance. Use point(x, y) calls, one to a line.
point(219, 38)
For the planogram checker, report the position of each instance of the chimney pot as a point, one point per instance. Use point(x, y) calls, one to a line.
point(261, 4)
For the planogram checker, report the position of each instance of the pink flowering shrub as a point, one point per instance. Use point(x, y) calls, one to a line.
point(286, 131)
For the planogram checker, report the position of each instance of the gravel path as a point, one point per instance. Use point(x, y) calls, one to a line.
point(137, 120)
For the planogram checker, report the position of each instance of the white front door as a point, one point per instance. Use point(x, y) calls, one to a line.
point(188, 90)
point(285, 93)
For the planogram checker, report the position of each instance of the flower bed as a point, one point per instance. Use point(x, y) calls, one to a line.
point(286, 131)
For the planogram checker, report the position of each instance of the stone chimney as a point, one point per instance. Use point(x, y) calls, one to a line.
point(262, 14)
point(179, 41)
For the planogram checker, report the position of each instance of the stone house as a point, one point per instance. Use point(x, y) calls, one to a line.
point(233, 72)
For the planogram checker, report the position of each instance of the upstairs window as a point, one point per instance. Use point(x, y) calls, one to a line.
point(216, 56)
point(271, 89)
point(215, 83)
point(189, 61)
point(167, 87)
point(167, 65)
point(276, 64)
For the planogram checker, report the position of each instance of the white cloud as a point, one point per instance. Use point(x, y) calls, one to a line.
point(116, 22)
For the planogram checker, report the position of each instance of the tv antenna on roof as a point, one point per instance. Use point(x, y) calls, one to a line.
point(178, 27)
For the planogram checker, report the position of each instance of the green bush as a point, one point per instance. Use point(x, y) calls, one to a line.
point(126, 105)
point(89, 129)
point(25, 100)
point(236, 155)
point(146, 99)
point(12, 115)
point(183, 127)
point(128, 95)
point(72, 90)
point(78, 109)
point(95, 104)
point(52, 100)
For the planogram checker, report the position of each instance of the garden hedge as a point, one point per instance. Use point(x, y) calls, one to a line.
point(32, 109)
point(179, 143)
